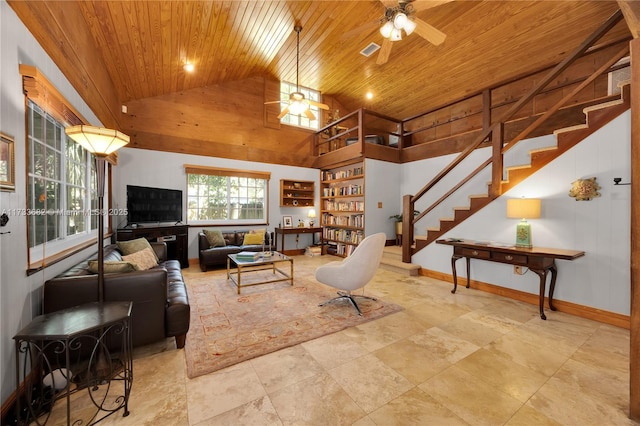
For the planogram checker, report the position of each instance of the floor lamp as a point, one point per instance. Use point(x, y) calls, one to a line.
point(100, 142)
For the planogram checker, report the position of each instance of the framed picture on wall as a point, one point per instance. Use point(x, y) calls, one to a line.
point(287, 222)
point(7, 164)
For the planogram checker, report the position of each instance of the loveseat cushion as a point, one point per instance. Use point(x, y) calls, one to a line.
point(142, 260)
point(132, 246)
point(215, 237)
point(112, 267)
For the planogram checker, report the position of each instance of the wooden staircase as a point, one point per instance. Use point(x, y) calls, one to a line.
point(392, 261)
point(597, 116)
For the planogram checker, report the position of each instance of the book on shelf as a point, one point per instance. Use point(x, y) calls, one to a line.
point(247, 255)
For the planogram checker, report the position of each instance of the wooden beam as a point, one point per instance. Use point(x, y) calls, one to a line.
point(631, 11)
point(634, 354)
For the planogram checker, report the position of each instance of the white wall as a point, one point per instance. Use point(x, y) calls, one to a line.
point(20, 295)
point(600, 227)
point(382, 183)
point(166, 170)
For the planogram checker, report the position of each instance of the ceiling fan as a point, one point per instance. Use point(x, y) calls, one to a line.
point(401, 18)
point(297, 103)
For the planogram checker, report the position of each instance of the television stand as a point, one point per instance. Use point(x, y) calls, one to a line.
point(175, 236)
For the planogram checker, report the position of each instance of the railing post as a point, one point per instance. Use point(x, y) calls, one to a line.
point(407, 227)
point(497, 140)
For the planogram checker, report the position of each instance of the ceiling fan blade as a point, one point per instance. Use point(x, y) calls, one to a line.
point(272, 102)
point(368, 27)
point(318, 104)
point(284, 112)
point(309, 114)
point(385, 51)
point(427, 4)
point(429, 33)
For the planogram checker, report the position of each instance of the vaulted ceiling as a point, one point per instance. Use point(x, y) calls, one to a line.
point(116, 52)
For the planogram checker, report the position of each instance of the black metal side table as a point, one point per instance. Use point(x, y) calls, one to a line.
point(86, 347)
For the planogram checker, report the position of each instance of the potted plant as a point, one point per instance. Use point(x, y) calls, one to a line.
point(398, 220)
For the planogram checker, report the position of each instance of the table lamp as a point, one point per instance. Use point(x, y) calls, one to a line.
point(523, 208)
point(311, 215)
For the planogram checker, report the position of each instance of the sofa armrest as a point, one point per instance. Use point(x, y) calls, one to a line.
point(161, 250)
point(203, 243)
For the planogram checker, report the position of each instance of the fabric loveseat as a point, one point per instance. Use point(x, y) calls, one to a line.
point(215, 255)
point(159, 295)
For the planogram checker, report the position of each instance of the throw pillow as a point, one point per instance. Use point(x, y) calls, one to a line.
point(143, 260)
point(111, 267)
point(260, 231)
point(252, 239)
point(214, 237)
point(133, 246)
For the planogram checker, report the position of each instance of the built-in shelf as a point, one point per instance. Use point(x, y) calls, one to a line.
point(297, 193)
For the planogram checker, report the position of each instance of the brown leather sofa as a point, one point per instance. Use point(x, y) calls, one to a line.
point(217, 256)
point(159, 295)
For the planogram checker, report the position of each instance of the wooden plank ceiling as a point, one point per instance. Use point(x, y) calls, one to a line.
point(135, 50)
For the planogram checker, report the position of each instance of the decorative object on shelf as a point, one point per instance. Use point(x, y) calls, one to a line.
point(523, 208)
point(295, 203)
point(300, 223)
point(618, 181)
point(297, 185)
point(7, 164)
point(101, 143)
point(311, 215)
point(584, 189)
point(287, 222)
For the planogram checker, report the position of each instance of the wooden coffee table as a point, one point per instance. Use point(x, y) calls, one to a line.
point(242, 267)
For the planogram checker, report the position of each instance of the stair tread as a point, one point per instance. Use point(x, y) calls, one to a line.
point(602, 105)
point(570, 129)
point(543, 149)
point(399, 264)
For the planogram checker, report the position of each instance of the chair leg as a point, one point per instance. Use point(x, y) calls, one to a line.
point(342, 295)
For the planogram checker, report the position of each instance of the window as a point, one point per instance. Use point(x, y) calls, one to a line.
point(299, 120)
point(61, 187)
point(226, 196)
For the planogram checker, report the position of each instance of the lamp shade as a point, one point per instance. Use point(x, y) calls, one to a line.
point(311, 214)
point(97, 140)
point(523, 208)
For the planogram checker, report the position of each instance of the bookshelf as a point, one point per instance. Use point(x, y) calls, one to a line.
point(342, 209)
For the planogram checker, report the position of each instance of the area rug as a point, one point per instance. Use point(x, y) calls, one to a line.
point(227, 328)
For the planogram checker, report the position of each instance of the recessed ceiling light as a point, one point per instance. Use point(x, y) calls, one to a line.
point(188, 67)
point(369, 95)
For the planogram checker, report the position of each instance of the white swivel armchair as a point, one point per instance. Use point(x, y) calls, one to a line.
point(355, 271)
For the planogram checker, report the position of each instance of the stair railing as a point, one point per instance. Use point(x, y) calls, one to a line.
point(496, 134)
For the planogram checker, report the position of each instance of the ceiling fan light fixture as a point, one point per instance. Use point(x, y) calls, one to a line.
point(297, 107)
point(396, 35)
point(386, 29)
point(409, 26)
point(400, 20)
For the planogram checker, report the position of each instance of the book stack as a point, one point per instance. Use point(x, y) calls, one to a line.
point(248, 255)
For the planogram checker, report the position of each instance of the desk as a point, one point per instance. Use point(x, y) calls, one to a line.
point(76, 339)
point(539, 260)
point(297, 231)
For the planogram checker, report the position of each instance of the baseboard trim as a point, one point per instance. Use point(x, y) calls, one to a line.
point(582, 311)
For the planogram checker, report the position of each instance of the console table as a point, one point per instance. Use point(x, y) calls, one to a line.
point(83, 347)
point(297, 231)
point(539, 260)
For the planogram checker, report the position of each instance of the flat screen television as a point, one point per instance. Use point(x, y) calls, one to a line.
point(147, 205)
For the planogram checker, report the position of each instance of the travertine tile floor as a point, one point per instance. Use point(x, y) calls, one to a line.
point(466, 359)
